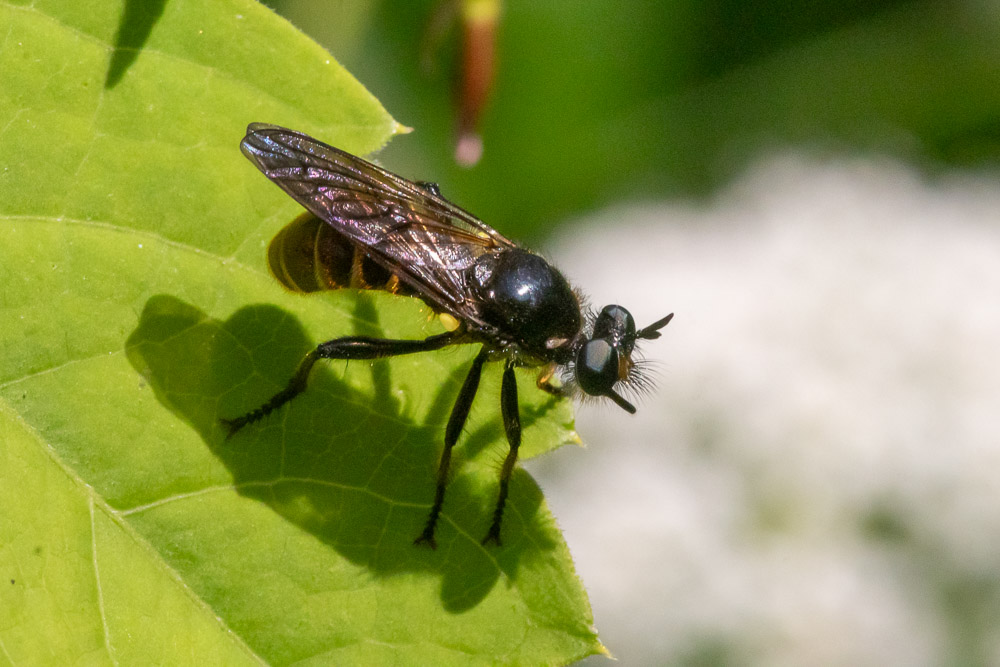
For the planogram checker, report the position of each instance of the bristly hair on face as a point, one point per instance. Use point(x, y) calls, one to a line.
point(642, 376)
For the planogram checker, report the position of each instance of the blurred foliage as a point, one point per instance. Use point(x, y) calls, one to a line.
point(608, 99)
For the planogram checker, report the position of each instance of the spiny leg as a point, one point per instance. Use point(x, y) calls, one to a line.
point(295, 387)
point(456, 422)
point(349, 347)
point(512, 426)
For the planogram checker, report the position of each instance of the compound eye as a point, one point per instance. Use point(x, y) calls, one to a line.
point(616, 324)
point(597, 367)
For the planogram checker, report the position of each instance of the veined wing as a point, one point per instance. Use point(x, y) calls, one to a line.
point(425, 239)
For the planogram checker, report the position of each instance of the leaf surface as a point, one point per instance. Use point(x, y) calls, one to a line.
point(137, 310)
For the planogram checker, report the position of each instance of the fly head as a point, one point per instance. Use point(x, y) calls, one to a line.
point(605, 359)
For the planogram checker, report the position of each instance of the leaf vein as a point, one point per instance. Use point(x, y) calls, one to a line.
point(97, 581)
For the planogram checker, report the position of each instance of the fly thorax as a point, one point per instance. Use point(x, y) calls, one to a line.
point(525, 299)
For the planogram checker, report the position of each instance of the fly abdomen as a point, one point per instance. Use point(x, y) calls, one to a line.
point(308, 255)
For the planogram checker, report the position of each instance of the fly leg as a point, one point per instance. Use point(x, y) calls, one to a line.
point(512, 426)
point(430, 187)
point(456, 422)
point(544, 382)
point(349, 347)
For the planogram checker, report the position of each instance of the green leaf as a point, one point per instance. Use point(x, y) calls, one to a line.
point(136, 311)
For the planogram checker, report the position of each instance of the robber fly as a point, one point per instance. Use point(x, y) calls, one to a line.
point(369, 228)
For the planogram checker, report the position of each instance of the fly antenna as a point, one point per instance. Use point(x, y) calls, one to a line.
point(653, 330)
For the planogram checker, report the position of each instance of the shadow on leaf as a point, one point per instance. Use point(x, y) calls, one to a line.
point(134, 28)
point(350, 465)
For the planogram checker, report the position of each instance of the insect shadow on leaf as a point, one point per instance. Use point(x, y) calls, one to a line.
point(347, 462)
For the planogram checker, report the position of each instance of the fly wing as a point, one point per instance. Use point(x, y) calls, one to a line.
point(424, 239)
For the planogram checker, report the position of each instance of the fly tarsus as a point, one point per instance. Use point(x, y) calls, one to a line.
point(296, 385)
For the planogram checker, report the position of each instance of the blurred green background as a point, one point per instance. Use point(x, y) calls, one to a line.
point(604, 100)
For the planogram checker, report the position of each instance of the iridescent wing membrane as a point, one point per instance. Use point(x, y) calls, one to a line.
point(424, 239)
